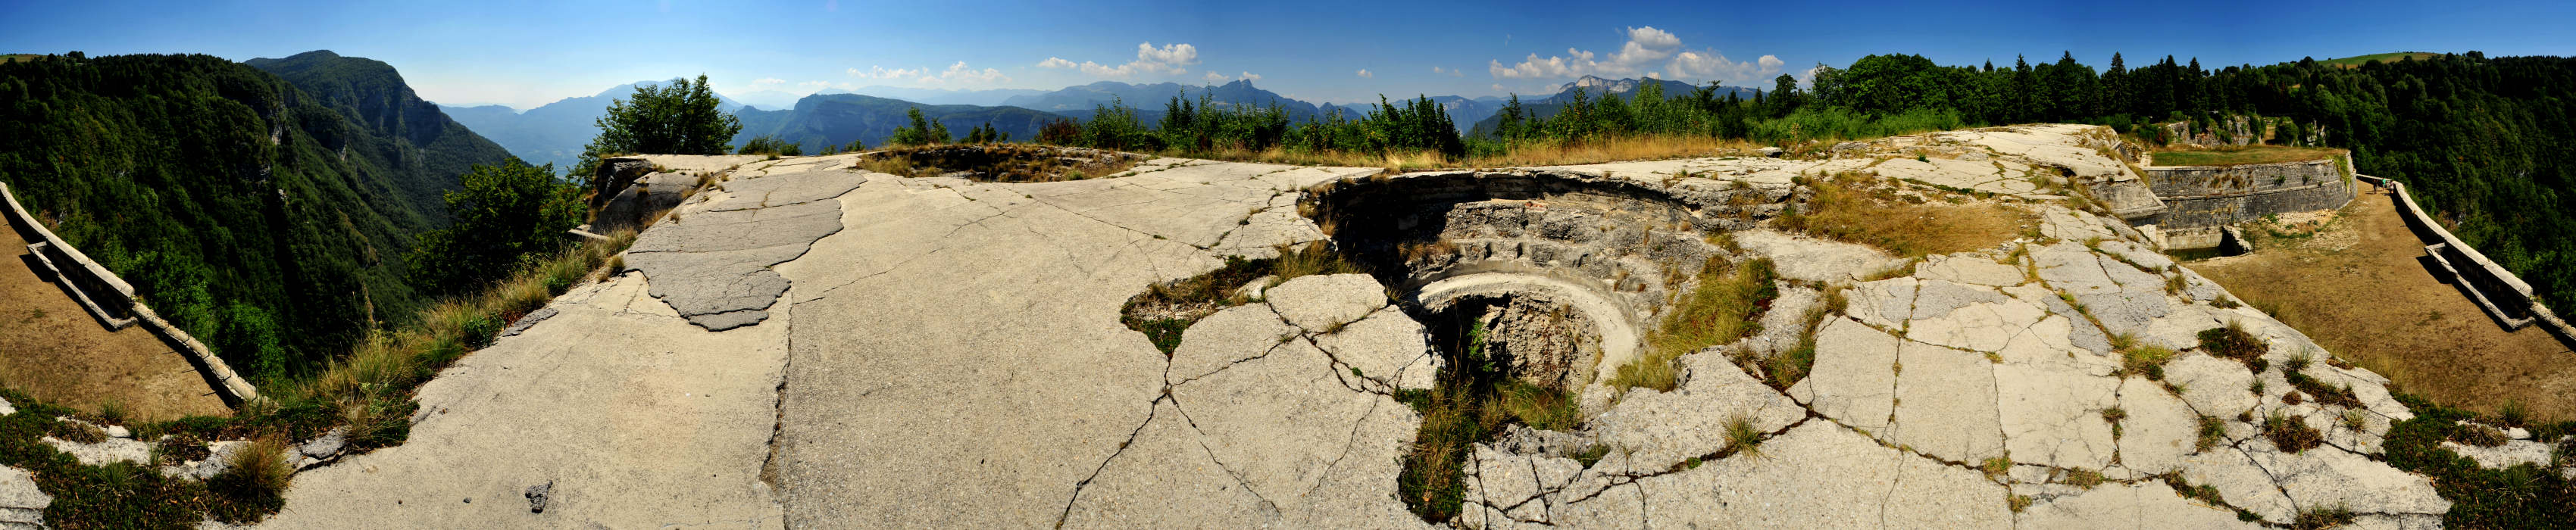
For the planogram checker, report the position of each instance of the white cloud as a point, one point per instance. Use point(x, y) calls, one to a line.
point(1450, 72)
point(960, 73)
point(1365, 74)
point(880, 72)
point(1213, 77)
point(766, 81)
point(1249, 76)
point(1498, 87)
point(1174, 59)
point(1646, 48)
point(813, 85)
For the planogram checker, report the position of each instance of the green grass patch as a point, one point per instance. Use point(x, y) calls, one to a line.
point(2243, 155)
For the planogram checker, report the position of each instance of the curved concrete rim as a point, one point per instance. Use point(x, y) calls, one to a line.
point(1619, 337)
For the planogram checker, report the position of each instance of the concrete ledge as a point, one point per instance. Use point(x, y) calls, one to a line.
point(2504, 296)
point(112, 322)
point(105, 293)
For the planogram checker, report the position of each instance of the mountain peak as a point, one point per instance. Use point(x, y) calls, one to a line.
point(1597, 83)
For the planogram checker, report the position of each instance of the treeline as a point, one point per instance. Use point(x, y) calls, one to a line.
point(1211, 129)
point(1205, 127)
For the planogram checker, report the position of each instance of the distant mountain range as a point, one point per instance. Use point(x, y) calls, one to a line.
point(1149, 100)
point(556, 132)
point(825, 120)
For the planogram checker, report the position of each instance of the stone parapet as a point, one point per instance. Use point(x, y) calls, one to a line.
point(112, 301)
point(2502, 294)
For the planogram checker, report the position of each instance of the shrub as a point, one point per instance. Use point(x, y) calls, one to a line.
point(503, 215)
point(680, 118)
point(770, 145)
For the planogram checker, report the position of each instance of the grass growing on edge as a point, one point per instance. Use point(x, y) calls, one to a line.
point(1724, 307)
point(369, 391)
point(2242, 155)
point(2480, 497)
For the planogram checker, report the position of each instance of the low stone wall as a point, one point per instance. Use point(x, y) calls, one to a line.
point(112, 301)
point(2206, 196)
point(2504, 296)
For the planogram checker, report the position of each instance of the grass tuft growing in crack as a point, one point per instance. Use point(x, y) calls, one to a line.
point(1726, 306)
point(1165, 309)
point(2233, 342)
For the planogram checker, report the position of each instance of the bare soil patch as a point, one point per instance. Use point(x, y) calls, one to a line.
point(51, 349)
point(2356, 285)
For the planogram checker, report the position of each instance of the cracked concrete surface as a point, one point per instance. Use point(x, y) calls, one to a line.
point(812, 345)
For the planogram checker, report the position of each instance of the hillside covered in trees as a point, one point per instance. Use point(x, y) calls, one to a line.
point(266, 215)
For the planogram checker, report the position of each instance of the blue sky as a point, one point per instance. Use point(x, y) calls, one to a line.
point(523, 54)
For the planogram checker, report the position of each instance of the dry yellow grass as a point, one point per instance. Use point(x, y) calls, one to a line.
point(54, 351)
point(1853, 209)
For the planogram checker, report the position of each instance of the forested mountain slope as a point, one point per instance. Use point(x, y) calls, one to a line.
point(268, 216)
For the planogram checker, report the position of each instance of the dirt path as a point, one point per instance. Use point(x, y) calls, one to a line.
point(2358, 288)
point(50, 348)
